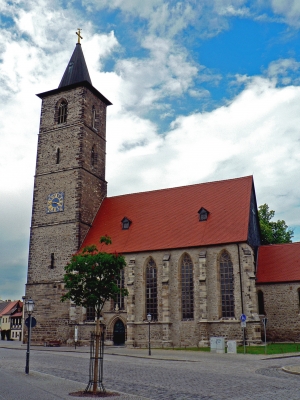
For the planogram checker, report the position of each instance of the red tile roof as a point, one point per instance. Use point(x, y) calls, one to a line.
point(278, 263)
point(168, 218)
point(8, 308)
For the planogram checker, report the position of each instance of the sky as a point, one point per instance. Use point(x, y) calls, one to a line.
point(202, 90)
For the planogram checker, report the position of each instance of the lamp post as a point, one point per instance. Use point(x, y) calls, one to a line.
point(149, 320)
point(29, 305)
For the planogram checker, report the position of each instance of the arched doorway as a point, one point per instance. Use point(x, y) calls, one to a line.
point(119, 333)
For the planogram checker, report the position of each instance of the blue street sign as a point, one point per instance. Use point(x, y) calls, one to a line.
point(243, 318)
point(33, 322)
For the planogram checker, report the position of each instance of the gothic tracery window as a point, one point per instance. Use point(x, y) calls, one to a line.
point(62, 112)
point(119, 302)
point(151, 289)
point(187, 288)
point(227, 285)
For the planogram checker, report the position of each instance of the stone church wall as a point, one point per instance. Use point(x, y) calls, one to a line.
point(282, 309)
point(170, 330)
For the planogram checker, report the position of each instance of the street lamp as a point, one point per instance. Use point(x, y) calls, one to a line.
point(149, 320)
point(29, 306)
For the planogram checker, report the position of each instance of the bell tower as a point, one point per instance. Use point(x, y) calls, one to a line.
point(69, 187)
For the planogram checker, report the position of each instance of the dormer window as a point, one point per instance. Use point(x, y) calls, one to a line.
point(126, 223)
point(203, 214)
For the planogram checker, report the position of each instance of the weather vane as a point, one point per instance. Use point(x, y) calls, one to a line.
point(78, 34)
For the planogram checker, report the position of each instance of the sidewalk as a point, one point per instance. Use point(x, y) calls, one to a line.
point(38, 385)
point(157, 354)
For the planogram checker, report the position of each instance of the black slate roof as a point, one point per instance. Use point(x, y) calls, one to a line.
point(76, 70)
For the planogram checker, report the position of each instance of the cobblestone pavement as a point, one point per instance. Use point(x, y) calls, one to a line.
point(167, 374)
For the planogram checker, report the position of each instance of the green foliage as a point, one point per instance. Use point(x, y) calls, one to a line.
point(91, 277)
point(273, 232)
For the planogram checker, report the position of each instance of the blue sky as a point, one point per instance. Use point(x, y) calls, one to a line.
point(201, 91)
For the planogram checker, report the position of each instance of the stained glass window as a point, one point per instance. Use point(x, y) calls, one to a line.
point(119, 303)
point(227, 285)
point(187, 288)
point(151, 289)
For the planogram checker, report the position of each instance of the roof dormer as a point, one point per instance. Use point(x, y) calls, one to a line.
point(203, 214)
point(126, 223)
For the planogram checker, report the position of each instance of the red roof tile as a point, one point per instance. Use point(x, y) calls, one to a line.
point(278, 263)
point(168, 218)
point(8, 308)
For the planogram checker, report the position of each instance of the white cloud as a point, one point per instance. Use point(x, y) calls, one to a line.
point(168, 18)
point(289, 9)
point(257, 133)
point(165, 73)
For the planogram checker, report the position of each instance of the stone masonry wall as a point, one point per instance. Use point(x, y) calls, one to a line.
point(82, 180)
point(170, 329)
point(281, 303)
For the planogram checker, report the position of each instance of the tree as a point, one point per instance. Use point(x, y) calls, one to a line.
point(273, 232)
point(91, 279)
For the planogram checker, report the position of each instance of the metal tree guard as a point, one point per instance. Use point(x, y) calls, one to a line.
point(92, 361)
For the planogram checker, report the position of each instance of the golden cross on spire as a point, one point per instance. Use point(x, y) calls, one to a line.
point(78, 34)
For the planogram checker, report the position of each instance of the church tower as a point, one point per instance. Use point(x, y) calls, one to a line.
point(69, 187)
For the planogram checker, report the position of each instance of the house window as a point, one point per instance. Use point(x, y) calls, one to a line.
point(187, 288)
point(58, 155)
point(119, 302)
point(62, 112)
point(151, 289)
point(227, 285)
point(261, 303)
point(90, 314)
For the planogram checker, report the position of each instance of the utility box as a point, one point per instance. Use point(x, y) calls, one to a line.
point(217, 345)
point(231, 346)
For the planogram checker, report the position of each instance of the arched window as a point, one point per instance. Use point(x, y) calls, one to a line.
point(58, 155)
point(94, 117)
point(261, 303)
point(151, 289)
point(187, 288)
point(62, 112)
point(119, 302)
point(227, 285)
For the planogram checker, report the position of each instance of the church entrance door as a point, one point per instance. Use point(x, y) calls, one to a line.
point(119, 333)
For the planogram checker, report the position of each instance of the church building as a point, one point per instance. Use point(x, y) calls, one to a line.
point(191, 252)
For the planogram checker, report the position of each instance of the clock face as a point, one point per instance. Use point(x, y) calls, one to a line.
point(55, 202)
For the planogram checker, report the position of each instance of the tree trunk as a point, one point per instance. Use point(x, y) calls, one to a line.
point(96, 365)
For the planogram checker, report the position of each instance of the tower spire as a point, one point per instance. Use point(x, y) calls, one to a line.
point(76, 70)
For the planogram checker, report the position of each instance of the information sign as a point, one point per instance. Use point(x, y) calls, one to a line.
point(33, 322)
point(243, 317)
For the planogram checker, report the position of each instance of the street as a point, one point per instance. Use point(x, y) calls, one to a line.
point(165, 375)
